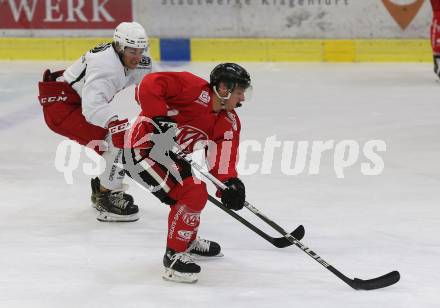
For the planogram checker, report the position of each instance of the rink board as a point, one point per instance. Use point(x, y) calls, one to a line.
point(232, 49)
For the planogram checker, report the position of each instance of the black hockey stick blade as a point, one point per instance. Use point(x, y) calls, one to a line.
point(282, 242)
point(376, 283)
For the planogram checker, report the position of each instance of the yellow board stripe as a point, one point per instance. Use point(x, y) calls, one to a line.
point(236, 49)
point(393, 50)
point(55, 48)
point(256, 50)
point(339, 51)
point(290, 50)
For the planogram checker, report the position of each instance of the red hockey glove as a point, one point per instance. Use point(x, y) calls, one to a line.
point(117, 129)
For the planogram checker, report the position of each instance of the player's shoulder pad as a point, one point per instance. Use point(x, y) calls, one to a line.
point(105, 61)
point(100, 47)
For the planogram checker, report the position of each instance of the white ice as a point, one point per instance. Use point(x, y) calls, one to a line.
point(54, 253)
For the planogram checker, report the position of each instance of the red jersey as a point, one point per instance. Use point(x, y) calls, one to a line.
point(188, 99)
point(435, 5)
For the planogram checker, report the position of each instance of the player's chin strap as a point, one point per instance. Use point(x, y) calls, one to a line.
point(222, 99)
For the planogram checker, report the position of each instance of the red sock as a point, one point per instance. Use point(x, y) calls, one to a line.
point(435, 33)
point(183, 224)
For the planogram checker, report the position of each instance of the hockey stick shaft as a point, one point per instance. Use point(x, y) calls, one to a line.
point(358, 284)
point(222, 186)
point(279, 242)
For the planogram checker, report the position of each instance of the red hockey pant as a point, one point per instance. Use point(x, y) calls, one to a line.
point(68, 121)
point(63, 113)
point(186, 196)
point(435, 26)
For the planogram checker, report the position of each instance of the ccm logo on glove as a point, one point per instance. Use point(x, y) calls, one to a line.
point(53, 99)
point(117, 129)
point(118, 126)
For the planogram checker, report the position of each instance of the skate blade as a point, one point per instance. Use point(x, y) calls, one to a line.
point(110, 217)
point(174, 276)
point(197, 257)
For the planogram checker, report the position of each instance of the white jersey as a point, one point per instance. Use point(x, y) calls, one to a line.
point(97, 76)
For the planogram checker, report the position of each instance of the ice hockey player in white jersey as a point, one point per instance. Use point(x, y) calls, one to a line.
point(83, 111)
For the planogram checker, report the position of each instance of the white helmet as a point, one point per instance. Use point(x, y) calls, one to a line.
point(130, 34)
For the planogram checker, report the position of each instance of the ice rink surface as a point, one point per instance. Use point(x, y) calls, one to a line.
point(54, 253)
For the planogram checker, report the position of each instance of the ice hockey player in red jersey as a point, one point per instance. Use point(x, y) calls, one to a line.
point(435, 35)
point(188, 108)
point(76, 104)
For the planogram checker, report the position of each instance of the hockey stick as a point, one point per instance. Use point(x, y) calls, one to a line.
point(356, 283)
point(279, 242)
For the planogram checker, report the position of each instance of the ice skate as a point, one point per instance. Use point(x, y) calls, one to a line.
point(180, 267)
point(113, 206)
point(201, 249)
point(95, 184)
